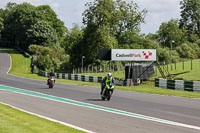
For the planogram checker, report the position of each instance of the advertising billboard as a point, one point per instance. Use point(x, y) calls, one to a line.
point(133, 54)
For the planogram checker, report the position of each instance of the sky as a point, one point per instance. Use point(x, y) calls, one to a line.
point(70, 11)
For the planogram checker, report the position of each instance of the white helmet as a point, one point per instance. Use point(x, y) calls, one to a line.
point(109, 75)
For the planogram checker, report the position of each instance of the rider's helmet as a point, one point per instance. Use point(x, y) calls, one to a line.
point(109, 75)
point(52, 74)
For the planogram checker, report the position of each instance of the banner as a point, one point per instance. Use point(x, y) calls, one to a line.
point(133, 54)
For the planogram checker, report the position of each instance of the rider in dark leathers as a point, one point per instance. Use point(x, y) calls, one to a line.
point(51, 74)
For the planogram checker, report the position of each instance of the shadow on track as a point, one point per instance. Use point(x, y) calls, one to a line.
point(93, 99)
point(47, 88)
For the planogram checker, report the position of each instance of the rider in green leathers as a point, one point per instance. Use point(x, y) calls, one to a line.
point(105, 80)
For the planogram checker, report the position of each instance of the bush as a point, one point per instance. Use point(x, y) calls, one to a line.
point(48, 59)
point(163, 54)
point(187, 50)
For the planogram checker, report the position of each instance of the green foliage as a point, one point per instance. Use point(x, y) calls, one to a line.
point(196, 49)
point(48, 59)
point(26, 24)
point(74, 36)
point(42, 33)
point(50, 16)
point(163, 54)
point(188, 50)
point(18, 21)
point(152, 36)
point(131, 40)
point(198, 42)
point(97, 40)
point(174, 56)
point(126, 17)
point(190, 16)
point(107, 24)
point(106, 21)
point(192, 37)
point(170, 33)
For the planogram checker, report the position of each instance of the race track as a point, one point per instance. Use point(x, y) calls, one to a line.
point(127, 112)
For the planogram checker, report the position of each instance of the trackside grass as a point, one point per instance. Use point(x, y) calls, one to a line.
point(15, 121)
point(184, 70)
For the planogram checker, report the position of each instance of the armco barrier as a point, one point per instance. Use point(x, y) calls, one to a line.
point(86, 78)
point(178, 84)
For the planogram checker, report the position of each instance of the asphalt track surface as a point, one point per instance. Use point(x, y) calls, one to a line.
point(184, 111)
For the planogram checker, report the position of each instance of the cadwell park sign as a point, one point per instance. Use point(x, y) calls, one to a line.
point(133, 54)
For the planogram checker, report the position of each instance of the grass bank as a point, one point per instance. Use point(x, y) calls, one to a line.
point(187, 70)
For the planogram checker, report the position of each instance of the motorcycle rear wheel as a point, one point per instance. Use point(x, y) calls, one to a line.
point(50, 86)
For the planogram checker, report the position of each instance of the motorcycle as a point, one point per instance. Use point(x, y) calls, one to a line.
point(108, 90)
point(51, 82)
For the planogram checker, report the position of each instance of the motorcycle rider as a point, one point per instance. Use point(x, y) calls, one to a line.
point(51, 76)
point(106, 79)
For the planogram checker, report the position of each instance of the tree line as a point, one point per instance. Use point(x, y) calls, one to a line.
point(107, 24)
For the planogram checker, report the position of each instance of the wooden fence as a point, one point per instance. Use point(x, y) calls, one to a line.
point(183, 65)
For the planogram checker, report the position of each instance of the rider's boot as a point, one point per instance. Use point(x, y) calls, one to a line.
point(101, 90)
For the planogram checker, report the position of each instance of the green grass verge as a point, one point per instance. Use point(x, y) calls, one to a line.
point(187, 73)
point(15, 121)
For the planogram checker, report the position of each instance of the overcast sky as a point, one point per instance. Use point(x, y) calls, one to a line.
point(70, 11)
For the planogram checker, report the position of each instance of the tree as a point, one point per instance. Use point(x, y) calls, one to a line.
point(190, 16)
point(19, 20)
point(20, 24)
point(73, 37)
point(42, 33)
point(169, 33)
point(163, 54)
point(127, 17)
point(50, 16)
point(106, 21)
point(187, 50)
point(49, 59)
point(97, 19)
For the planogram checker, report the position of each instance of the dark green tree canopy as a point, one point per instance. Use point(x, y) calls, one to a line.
point(19, 19)
point(190, 16)
point(118, 15)
point(105, 21)
point(50, 16)
point(171, 33)
point(42, 33)
point(21, 27)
